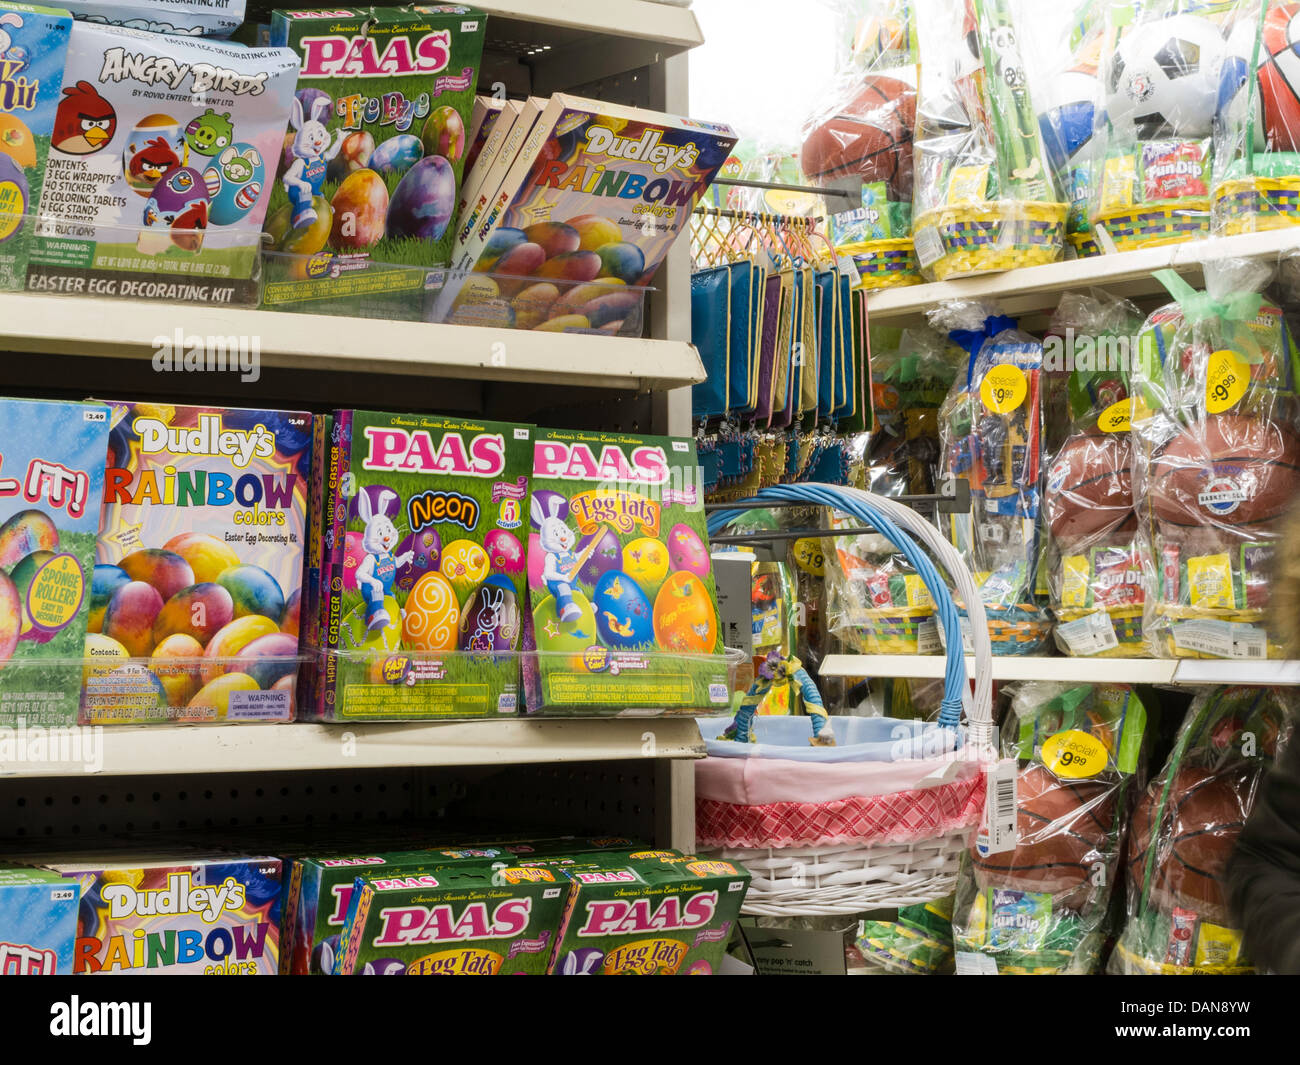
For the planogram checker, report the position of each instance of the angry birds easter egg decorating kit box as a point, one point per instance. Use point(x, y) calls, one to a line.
point(161, 160)
point(623, 603)
point(200, 565)
point(426, 518)
point(51, 482)
point(33, 48)
point(212, 18)
point(371, 165)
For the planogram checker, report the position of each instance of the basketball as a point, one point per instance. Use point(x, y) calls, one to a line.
point(1090, 486)
point(1279, 78)
point(1228, 470)
point(1063, 827)
point(1205, 812)
point(870, 137)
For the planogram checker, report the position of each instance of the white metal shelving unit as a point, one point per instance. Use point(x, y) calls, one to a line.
point(628, 776)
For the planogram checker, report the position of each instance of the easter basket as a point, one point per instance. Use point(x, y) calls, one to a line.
point(954, 241)
point(883, 263)
point(1254, 204)
point(880, 818)
point(1150, 225)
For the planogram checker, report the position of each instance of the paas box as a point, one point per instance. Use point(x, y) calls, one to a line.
point(38, 922)
point(51, 484)
point(201, 545)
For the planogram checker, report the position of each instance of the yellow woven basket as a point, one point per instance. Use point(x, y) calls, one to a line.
point(1149, 225)
point(1255, 204)
point(1161, 634)
point(891, 630)
point(1128, 630)
point(883, 263)
point(997, 235)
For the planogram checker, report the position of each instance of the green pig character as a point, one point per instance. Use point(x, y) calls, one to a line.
point(209, 133)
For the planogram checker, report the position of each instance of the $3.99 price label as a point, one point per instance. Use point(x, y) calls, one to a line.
point(1004, 388)
point(1226, 380)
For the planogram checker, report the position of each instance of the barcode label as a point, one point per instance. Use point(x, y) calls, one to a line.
point(1088, 635)
point(1000, 807)
point(928, 641)
point(928, 245)
point(972, 963)
point(1221, 639)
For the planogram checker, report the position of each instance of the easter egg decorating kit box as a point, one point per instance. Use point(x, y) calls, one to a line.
point(51, 483)
point(33, 48)
point(211, 18)
point(427, 569)
point(178, 914)
point(372, 162)
point(623, 603)
point(200, 566)
point(38, 922)
point(161, 162)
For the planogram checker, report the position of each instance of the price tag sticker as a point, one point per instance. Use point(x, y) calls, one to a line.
point(999, 831)
point(1004, 388)
point(1226, 380)
point(1119, 417)
point(1075, 755)
point(808, 556)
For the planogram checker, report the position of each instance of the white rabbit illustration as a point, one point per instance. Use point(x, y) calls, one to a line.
point(9, 18)
point(561, 566)
point(379, 568)
point(312, 150)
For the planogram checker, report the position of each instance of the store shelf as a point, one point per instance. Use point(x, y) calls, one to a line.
point(123, 329)
point(1124, 273)
point(290, 748)
point(1113, 670)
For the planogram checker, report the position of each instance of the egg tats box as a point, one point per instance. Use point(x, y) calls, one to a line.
point(373, 157)
point(195, 915)
point(160, 165)
point(596, 196)
point(197, 592)
point(456, 921)
point(38, 922)
point(33, 47)
point(657, 915)
point(623, 604)
point(213, 18)
point(51, 482)
point(428, 570)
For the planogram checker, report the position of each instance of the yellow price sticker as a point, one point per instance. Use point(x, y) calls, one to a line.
point(1226, 380)
point(1004, 388)
point(1075, 755)
point(808, 556)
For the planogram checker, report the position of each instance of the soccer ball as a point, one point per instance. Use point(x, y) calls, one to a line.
point(1164, 79)
point(1067, 120)
point(1277, 103)
point(1233, 97)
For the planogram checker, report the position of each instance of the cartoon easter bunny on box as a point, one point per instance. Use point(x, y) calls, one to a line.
point(379, 568)
point(561, 566)
point(312, 150)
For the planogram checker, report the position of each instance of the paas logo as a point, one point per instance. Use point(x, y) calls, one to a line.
point(338, 56)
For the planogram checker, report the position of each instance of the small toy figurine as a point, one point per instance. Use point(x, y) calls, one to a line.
point(778, 669)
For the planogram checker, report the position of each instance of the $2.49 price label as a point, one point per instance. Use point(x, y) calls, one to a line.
point(1004, 388)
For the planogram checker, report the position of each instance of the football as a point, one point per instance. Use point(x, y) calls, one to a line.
point(1163, 79)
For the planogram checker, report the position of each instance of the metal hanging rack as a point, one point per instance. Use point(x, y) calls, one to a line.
point(776, 186)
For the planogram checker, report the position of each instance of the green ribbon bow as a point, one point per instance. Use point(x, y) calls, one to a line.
point(1232, 313)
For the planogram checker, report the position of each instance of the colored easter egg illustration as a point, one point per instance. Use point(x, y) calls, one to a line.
point(465, 564)
point(532, 305)
point(563, 324)
point(208, 556)
point(444, 133)
point(385, 636)
point(201, 611)
point(360, 208)
point(500, 242)
point(536, 559)
point(167, 571)
point(104, 582)
point(16, 140)
point(353, 555)
point(176, 212)
point(354, 154)
point(25, 532)
point(554, 238)
point(607, 554)
point(155, 146)
point(491, 314)
point(174, 662)
point(103, 654)
point(520, 261)
point(684, 619)
point(491, 619)
point(555, 635)
point(646, 562)
point(215, 694)
point(505, 552)
point(288, 684)
point(306, 239)
point(476, 290)
point(234, 181)
point(268, 658)
point(426, 550)
point(424, 200)
point(11, 616)
point(397, 154)
point(551, 503)
point(576, 297)
point(292, 612)
point(611, 308)
point(622, 260)
point(129, 618)
point(686, 551)
point(230, 641)
point(383, 500)
point(253, 591)
point(432, 615)
point(572, 266)
point(22, 575)
point(623, 613)
point(595, 231)
point(307, 100)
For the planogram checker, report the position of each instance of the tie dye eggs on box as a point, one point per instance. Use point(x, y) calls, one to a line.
point(619, 578)
point(200, 555)
point(51, 479)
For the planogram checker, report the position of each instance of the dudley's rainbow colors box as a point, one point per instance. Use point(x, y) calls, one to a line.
point(201, 915)
point(200, 554)
point(38, 923)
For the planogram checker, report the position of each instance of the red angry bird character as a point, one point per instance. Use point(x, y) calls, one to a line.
point(84, 121)
point(189, 224)
point(153, 160)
